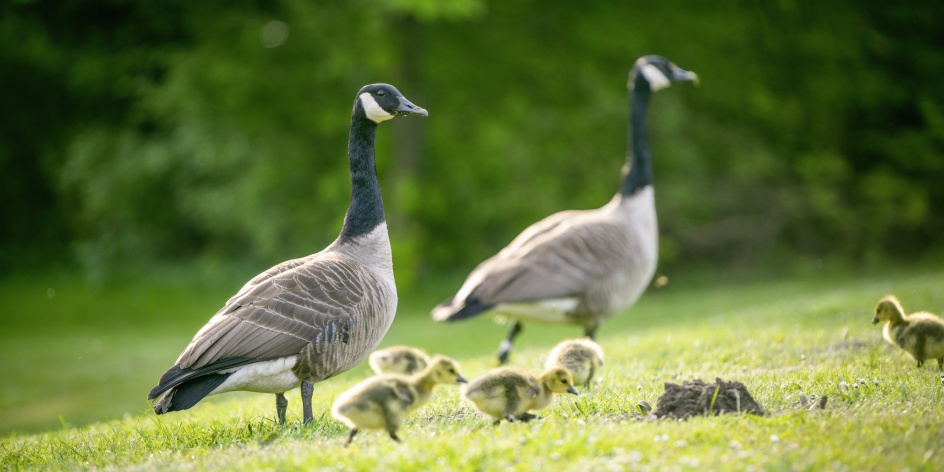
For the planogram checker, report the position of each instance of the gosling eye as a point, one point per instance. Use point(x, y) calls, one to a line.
point(452, 371)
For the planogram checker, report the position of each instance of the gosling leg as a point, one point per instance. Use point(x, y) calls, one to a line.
point(525, 417)
point(308, 388)
point(504, 349)
point(593, 371)
point(350, 437)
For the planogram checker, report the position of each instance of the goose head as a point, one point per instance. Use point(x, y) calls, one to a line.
point(887, 309)
point(559, 380)
point(445, 370)
point(658, 73)
point(381, 102)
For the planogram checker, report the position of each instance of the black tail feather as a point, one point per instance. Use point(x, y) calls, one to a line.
point(187, 394)
point(176, 376)
point(471, 308)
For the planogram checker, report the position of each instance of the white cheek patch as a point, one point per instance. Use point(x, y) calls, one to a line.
point(372, 109)
point(657, 80)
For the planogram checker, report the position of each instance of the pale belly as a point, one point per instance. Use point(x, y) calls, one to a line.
point(273, 376)
point(557, 310)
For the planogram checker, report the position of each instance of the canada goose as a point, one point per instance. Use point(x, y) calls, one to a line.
point(398, 360)
point(582, 357)
point(920, 334)
point(509, 392)
point(306, 319)
point(578, 266)
point(384, 401)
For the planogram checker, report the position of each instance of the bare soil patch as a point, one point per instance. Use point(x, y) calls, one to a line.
point(695, 397)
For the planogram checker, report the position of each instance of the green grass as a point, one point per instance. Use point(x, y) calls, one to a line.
point(90, 356)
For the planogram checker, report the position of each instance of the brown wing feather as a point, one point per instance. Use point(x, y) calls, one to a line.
point(561, 261)
point(279, 316)
point(272, 272)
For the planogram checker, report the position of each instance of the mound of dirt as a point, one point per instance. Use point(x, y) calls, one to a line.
point(695, 397)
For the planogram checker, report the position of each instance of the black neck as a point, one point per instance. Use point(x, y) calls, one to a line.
point(366, 210)
point(640, 162)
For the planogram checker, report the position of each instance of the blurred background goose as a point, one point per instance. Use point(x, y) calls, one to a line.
point(920, 334)
point(509, 393)
point(383, 402)
point(579, 266)
point(582, 357)
point(306, 319)
point(404, 360)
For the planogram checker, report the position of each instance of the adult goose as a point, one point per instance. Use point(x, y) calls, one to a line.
point(579, 266)
point(306, 319)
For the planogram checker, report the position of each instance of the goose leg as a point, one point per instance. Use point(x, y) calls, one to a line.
point(591, 332)
point(281, 403)
point(393, 435)
point(504, 349)
point(308, 388)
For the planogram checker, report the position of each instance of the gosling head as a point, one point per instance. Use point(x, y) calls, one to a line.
point(444, 370)
point(381, 102)
point(657, 73)
point(559, 380)
point(888, 309)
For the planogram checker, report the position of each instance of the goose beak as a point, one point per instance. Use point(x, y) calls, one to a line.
point(682, 75)
point(407, 108)
point(461, 379)
point(572, 390)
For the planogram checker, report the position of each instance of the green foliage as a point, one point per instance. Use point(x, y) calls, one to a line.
point(145, 131)
point(785, 340)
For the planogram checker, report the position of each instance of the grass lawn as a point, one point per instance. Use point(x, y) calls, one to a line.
point(77, 364)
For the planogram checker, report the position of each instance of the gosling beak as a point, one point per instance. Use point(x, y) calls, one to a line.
point(874, 320)
point(682, 75)
point(407, 108)
point(459, 378)
point(572, 390)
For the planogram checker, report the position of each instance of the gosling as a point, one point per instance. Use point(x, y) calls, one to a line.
point(920, 334)
point(582, 357)
point(508, 392)
point(398, 360)
point(384, 402)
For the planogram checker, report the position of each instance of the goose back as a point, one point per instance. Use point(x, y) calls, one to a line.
point(575, 266)
point(325, 312)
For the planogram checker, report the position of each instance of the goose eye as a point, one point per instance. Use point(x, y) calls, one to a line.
point(381, 93)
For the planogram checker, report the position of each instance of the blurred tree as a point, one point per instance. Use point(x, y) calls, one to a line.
point(171, 130)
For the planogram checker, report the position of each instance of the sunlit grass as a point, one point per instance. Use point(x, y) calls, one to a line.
point(781, 339)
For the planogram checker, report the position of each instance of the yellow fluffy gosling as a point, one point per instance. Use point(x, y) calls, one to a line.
point(509, 392)
point(920, 334)
point(404, 360)
point(383, 402)
point(582, 357)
